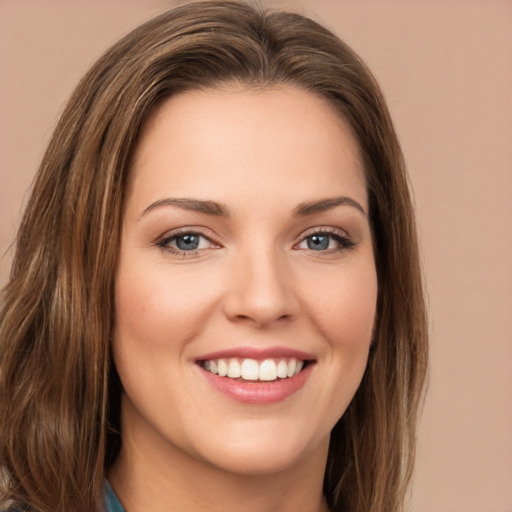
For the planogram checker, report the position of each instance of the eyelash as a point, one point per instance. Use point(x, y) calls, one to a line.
point(345, 243)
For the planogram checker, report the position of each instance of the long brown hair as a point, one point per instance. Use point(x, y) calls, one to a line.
point(59, 392)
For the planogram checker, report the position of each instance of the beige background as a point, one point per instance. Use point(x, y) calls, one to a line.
point(446, 70)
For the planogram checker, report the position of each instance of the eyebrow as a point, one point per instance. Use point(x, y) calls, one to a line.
point(321, 205)
point(195, 205)
point(217, 209)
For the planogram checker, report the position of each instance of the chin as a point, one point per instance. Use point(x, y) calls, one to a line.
point(255, 451)
point(257, 461)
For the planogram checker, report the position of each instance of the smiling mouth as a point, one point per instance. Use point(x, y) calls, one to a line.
point(253, 370)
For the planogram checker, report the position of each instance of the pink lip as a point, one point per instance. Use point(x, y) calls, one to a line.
point(258, 392)
point(257, 353)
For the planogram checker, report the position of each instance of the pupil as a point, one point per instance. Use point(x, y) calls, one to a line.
point(187, 242)
point(318, 242)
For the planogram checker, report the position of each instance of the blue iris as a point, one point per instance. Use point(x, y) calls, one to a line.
point(187, 242)
point(318, 242)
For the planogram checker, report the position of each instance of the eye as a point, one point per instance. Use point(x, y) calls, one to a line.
point(186, 243)
point(325, 241)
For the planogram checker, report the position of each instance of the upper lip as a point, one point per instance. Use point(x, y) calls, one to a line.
point(257, 353)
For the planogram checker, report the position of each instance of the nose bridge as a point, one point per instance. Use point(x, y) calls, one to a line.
point(261, 288)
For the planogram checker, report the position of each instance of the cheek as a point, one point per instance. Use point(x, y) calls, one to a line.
point(159, 307)
point(342, 308)
point(159, 310)
point(342, 305)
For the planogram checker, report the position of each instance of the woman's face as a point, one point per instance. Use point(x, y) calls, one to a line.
point(246, 249)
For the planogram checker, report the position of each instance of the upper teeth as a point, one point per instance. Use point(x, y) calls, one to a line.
point(251, 369)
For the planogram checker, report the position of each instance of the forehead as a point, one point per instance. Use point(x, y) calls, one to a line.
point(220, 141)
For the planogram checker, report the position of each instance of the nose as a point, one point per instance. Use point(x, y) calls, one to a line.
point(260, 290)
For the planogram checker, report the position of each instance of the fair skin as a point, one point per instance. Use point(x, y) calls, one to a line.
point(245, 237)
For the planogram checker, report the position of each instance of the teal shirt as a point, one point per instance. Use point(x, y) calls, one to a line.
point(112, 503)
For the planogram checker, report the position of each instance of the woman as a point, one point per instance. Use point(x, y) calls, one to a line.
point(216, 300)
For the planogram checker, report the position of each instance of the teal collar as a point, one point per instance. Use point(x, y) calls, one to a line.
point(112, 503)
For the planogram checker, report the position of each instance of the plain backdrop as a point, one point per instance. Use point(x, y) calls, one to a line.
point(446, 71)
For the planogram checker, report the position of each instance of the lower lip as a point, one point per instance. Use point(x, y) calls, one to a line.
point(259, 392)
